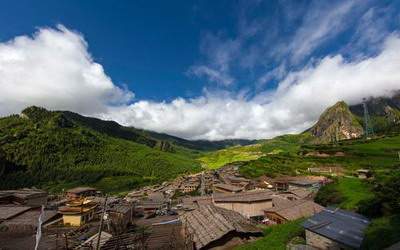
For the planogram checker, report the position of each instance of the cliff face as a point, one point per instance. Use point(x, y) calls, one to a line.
point(335, 124)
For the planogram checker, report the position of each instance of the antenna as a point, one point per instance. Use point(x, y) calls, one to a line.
point(368, 130)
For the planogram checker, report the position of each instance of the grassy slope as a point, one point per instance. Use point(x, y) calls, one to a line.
point(43, 153)
point(354, 191)
point(222, 157)
point(281, 144)
point(276, 237)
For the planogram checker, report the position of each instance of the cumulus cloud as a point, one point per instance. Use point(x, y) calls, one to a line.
point(53, 69)
point(293, 107)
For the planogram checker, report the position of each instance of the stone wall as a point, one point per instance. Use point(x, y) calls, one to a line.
point(321, 242)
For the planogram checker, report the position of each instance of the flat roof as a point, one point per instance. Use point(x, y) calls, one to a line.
point(339, 225)
point(9, 211)
point(244, 197)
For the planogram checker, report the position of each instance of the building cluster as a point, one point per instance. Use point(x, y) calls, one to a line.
point(210, 210)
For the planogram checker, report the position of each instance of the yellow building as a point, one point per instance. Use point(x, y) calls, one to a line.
point(78, 212)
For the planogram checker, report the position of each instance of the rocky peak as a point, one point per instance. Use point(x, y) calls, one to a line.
point(335, 124)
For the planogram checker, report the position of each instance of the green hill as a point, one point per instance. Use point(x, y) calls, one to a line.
point(60, 149)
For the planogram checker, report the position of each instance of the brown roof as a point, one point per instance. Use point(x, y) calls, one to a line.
point(228, 187)
point(31, 218)
point(300, 192)
point(244, 197)
point(296, 209)
point(209, 223)
point(156, 220)
point(9, 211)
point(166, 236)
point(122, 208)
point(24, 193)
point(199, 200)
point(79, 190)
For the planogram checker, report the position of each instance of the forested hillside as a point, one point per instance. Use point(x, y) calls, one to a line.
point(54, 149)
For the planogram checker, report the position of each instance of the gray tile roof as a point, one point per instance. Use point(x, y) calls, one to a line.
point(339, 225)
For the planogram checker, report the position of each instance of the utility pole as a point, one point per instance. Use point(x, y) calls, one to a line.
point(101, 223)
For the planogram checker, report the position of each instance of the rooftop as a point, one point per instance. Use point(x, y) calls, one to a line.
point(9, 211)
point(24, 193)
point(339, 225)
point(244, 197)
point(294, 210)
point(228, 187)
point(209, 223)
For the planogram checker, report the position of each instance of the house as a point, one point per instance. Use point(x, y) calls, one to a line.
point(304, 183)
point(80, 192)
point(364, 173)
point(121, 214)
point(335, 228)
point(196, 201)
point(25, 196)
point(214, 227)
point(78, 212)
point(332, 170)
point(148, 207)
point(227, 188)
point(189, 187)
point(287, 210)
point(250, 204)
point(160, 233)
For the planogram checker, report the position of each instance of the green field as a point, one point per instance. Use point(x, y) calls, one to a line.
point(217, 159)
point(276, 237)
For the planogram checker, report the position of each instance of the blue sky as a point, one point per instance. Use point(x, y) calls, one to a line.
point(213, 69)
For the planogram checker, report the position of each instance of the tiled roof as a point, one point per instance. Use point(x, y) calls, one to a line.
point(294, 210)
point(228, 187)
point(209, 223)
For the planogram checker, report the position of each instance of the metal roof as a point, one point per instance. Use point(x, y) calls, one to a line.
point(339, 225)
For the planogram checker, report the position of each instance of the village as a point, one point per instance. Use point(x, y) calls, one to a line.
point(215, 209)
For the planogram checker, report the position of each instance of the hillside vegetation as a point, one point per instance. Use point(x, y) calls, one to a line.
point(59, 149)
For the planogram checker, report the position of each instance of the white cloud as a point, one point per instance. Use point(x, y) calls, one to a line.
point(53, 69)
point(320, 24)
point(293, 107)
point(213, 75)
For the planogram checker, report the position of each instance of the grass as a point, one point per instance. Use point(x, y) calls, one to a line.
point(276, 237)
point(222, 157)
point(353, 191)
point(382, 232)
point(281, 145)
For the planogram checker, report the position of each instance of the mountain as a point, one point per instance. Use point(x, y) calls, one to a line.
point(341, 121)
point(56, 148)
point(150, 138)
point(384, 113)
point(335, 124)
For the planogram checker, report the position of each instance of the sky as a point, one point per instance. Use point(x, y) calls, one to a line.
point(210, 70)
